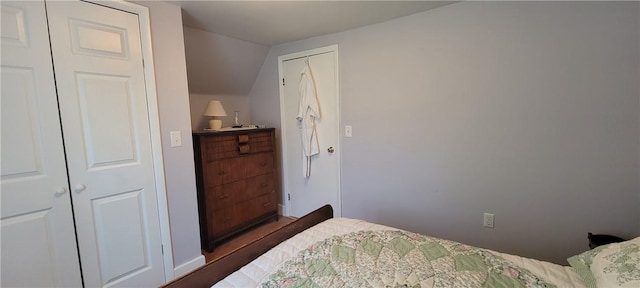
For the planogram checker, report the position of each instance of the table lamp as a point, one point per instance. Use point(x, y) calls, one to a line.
point(215, 109)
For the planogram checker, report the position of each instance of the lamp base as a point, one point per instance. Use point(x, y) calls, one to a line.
point(215, 124)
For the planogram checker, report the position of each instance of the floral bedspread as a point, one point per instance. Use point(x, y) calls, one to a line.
point(398, 259)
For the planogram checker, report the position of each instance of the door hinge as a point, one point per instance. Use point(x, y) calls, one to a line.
point(282, 81)
point(288, 196)
point(162, 249)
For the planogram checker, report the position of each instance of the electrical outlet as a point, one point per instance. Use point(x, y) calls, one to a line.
point(348, 131)
point(488, 220)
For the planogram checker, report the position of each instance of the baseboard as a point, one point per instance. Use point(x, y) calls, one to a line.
point(189, 266)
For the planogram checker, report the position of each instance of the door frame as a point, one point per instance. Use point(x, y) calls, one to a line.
point(154, 125)
point(285, 154)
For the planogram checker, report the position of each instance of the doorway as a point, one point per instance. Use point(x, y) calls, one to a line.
point(302, 194)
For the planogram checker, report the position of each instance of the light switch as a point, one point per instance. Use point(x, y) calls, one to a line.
point(348, 131)
point(176, 139)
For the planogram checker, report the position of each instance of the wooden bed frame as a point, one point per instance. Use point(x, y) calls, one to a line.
point(212, 272)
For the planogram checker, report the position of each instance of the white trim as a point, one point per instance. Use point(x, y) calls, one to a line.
point(154, 125)
point(281, 209)
point(189, 266)
point(283, 139)
point(285, 175)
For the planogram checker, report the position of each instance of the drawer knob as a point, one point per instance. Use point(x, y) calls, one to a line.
point(262, 185)
point(224, 196)
point(221, 172)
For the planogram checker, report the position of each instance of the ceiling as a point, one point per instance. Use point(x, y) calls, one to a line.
point(275, 22)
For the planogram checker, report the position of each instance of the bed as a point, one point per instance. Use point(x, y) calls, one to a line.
point(318, 250)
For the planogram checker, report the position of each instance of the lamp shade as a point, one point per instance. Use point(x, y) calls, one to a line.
point(214, 108)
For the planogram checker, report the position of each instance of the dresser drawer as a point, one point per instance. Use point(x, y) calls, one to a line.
point(225, 195)
point(218, 198)
point(261, 142)
point(259, 164)
point(226, 171)
point(264, 204)
point(261, 184)
point(227, 146)
point(221, 222)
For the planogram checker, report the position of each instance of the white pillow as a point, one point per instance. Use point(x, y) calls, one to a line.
point(618, 265)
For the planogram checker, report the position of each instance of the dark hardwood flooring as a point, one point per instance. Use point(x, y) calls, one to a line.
point(245, 238)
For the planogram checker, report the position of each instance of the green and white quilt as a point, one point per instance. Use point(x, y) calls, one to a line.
point(395, 258)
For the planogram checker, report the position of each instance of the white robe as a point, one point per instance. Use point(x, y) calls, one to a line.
point(308, 111)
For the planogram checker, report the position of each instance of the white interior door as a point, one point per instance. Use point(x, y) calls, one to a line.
point(302, 194)
point(103, 104)
point(38, 238)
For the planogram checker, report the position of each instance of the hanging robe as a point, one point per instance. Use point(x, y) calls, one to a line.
point(308, 112)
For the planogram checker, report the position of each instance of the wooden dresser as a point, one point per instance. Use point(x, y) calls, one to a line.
point(237, 182)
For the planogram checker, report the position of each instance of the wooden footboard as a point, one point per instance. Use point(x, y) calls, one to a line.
point(215, 271)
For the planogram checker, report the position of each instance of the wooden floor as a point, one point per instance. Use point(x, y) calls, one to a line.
point(245, 238)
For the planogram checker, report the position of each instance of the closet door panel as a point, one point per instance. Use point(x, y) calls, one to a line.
point(119, 225)
point(38, 236)
point(108, 140)
point(101, 90)
point(25, 238)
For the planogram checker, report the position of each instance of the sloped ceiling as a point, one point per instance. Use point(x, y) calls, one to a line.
point(226, 42)
point(276, 22)
point(218, 64)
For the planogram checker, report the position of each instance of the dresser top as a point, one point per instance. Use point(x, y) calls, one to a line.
point(230, 132)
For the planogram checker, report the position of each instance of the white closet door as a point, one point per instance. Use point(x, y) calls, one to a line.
point(38, 238)
point(103, 103)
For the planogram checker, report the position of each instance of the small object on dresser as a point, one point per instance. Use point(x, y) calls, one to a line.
point(596, 240)
point(236, 120)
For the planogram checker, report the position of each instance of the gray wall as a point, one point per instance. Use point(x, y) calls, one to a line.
point(528, 110)
point(173, 105)
point(220, 68)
